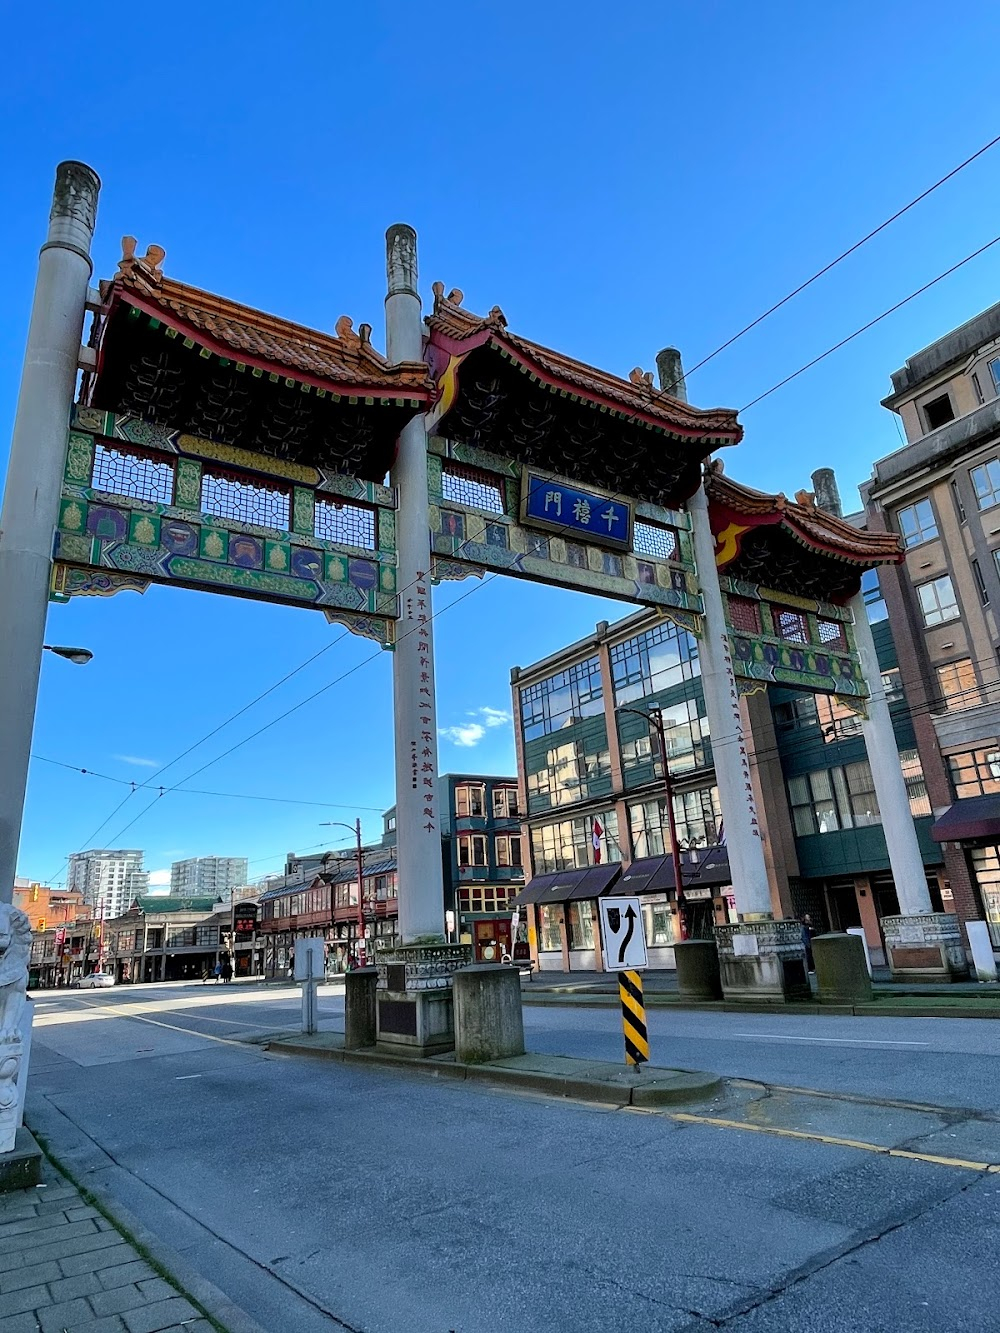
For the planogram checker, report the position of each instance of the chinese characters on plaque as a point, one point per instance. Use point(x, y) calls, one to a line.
point(562, 507)
point(422, 753)
point(741, 740)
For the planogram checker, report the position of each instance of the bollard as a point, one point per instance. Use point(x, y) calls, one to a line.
point(841, 969)
point(697, 963)
point(359, 1008)
point(488, 1020)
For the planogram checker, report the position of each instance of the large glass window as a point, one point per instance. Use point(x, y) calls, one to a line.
point(957, 685)
point(986, 483)
point(698, 815)
point(685, 732)
point(975, 772)
point(567, 775)
point(658, 919)
point(653, 661)
point(472, 849)
point(565, 698)
point(871, 591)
point(549, 934)
point(917, 524)
point(986, 868)
point(836, 720)
point(937, 601)
point(569, 844)
point(504, 802)
point(916, 787)
point(830, 799)
point(508, 849)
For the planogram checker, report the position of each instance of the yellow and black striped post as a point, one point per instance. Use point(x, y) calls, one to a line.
point(633, 1018)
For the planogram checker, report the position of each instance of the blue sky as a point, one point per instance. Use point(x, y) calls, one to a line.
point(616, 179)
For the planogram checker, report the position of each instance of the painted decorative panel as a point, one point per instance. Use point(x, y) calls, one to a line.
point(111, 536)
point(486, 512)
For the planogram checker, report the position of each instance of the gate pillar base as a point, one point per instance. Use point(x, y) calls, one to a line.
point(763, 961)
point(414, 1002)
point(925, 948)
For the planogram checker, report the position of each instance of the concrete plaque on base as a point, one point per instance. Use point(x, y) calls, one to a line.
point(763, 960)
point(414, 1002)
point(925, 948)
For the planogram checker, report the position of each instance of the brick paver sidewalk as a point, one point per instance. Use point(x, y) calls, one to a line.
point(65, 1269)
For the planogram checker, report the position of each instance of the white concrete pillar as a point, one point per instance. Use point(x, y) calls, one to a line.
point(907, 864)
point(34, 483)
point(418, 829)
point(730, 751)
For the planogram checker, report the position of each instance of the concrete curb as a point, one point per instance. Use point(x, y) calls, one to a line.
point(180, 1271)
point(867, 1009)
point(656, 1087)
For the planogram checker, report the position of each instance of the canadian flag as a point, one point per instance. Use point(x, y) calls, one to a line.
point(598, 835)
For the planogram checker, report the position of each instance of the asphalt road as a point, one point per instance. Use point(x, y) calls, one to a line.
point(323, 1196)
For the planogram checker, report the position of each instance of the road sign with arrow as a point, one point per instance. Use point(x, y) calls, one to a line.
point(622, 934)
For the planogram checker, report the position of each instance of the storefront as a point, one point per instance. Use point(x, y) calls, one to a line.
point(973, 824)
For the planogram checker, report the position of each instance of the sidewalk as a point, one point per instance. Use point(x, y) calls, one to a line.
point(64, 1268)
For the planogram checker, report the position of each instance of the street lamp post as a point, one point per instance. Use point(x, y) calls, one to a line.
point(80, 656)
point(356, 830)
point(655, 719)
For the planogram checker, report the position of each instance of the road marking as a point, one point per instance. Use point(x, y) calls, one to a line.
point(834, 1041)
point(958, 1163)
point(179, 1078)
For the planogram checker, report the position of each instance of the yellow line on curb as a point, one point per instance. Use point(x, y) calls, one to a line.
point(958, 1163)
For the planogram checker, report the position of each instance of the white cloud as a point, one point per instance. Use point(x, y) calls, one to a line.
point(137, 760)
point(494, 717)
point(466, 736)
point(469, 734)
point(158, 877)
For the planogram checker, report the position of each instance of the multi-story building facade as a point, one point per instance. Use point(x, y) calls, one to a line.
point(941, 493)
point(208, 874)
point(108, 880)
point(595, 806)
point(483, 859)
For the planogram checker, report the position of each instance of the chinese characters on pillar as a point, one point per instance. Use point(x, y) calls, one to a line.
point(423, 754)
point(561, 507)
point(740, 737)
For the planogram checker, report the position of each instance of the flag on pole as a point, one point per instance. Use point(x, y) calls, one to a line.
point(598, 835)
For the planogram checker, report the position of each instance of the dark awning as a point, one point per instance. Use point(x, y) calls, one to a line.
point(706, 868)
point(565, 885)
point(970, 820)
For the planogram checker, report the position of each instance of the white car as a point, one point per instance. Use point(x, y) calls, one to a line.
point(97, 979)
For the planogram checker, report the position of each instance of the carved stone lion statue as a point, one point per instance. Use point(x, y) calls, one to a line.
point(15, 950)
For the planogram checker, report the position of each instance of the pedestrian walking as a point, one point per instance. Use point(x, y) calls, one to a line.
point(227, 970)
point(217, 972)
point(807, 934)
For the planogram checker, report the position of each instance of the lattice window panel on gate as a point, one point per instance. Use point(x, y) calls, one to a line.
point(744, 615)
point(230, 495)
point(348, 524)
point(790, 626)
point(138, 476)
point(831, 633)
point(470, 486)
point(652, 539)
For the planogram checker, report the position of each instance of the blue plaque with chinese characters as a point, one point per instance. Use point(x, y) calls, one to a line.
point(564, 507)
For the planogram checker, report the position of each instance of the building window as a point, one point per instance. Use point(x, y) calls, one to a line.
point(892, 683)
point(986, 869)
point(472, 849)
point(916, 523)
point(469, 486)
point(833, 798)
point(549, 934)
point(480, 898)
point(509, 850)
point(652, 539)
point(957, 497)
point(744, 615)
point(871, 591)
point(558, 702)
point(797, 712)
point(975, 772)
point(568, 773)
point(653, 661)
point(569, 844)
point(984, 595)
point(977, 387)
point(916, 787)
point(470, 801)
point(986, 483)
point(957, 685)
point(995, 372)
point(207, 937)
point(698, 816)
point(790, 625)
point(580, 925)
point(685, 732)
point(836, 720)
point(937, 601)
point(504, 802)
point(939, 411)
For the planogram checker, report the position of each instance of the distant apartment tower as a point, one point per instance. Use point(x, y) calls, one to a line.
point(109, 879)
point(941, 493)
point(208, 874)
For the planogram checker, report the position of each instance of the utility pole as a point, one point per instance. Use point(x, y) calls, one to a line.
point(655, 719)
point(360, 856)
point(34, 483)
